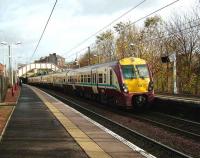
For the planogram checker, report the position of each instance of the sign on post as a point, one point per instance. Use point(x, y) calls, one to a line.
point(171, 58)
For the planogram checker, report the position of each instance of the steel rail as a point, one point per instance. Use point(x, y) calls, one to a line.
point(169, 127)
point(177, 118)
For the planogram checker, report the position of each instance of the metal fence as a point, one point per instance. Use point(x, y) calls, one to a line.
point(3, 87)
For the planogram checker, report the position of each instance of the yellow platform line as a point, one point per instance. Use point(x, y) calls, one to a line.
point(86, 143)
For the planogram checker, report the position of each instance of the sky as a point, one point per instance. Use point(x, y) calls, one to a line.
point(72, 22)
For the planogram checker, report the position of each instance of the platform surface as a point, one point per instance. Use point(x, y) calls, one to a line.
point(33, 131)
point(179, 98)
point(42, 126)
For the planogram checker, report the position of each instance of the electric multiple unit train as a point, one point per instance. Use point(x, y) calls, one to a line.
point(127, 82)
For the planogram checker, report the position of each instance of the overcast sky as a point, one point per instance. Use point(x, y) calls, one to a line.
point(71, 22)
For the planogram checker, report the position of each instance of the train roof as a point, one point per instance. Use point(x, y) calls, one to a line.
point(132, 60)
point(124, 61)
point(96, 66)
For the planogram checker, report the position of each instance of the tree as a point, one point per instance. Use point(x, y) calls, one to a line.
point(186, 42)
point(126, 43)
point(105, 48)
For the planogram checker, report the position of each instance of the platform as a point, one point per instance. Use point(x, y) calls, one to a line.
point(42, 126)
point(179, 98)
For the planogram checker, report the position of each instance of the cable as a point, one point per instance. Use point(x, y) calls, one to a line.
point(76, 46)
point(155, 12)
point(170, 34)
point(134, 21)
point(43, 30)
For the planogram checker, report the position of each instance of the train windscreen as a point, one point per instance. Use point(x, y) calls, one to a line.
point(142, 71)
point(128, 72)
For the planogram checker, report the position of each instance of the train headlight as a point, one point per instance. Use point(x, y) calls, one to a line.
point(150, 88)
point(125, 88)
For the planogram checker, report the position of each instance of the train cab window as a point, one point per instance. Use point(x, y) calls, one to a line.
point(142, 71)
point(128, 71)
point(100, 78)
point(111, 77)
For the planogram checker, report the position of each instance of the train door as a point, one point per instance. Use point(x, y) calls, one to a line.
point(106, 73)
point(94, 81)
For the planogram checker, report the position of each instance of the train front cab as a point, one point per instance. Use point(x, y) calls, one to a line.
point(137, 83)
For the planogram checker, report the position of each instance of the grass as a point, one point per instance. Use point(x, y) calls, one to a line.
point(4, 114)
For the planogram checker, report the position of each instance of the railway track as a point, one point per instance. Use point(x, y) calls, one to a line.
point(177, 118)
point(188, 129)
point(152, 146)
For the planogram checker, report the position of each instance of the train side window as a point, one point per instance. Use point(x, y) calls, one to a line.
point(82, 78)
point(89, 78)
point(111, 77)
point(100, 78)
point(104, 78)
point(85, 78)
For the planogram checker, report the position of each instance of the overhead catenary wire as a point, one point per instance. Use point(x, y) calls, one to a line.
point(44, 30)
point(146, 16)
point(85, 40)
point(169, 34)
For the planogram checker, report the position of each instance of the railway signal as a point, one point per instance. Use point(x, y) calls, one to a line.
point(171, 58)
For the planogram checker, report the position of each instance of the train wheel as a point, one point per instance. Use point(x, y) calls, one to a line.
point(139, 101)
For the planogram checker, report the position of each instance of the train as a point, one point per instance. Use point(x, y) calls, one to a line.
point(126, 83)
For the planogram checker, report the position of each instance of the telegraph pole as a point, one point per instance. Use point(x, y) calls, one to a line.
point(174, 74)
point(89, 55)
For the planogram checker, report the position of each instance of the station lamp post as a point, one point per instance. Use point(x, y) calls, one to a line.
point(10, 60)
point(89, 55)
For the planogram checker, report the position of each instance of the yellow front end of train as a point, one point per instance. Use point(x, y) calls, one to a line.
point(137, 80)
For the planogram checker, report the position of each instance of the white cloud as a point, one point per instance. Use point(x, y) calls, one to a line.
point(71, 22)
